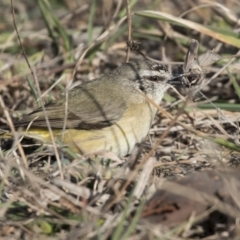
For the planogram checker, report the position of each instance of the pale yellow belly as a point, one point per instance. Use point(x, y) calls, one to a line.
point(119, 138)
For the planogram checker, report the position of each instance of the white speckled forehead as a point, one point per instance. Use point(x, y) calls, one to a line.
point(140, 69)
point(149, 73)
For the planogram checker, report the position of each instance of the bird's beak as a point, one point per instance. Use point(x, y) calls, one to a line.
point(176, 80)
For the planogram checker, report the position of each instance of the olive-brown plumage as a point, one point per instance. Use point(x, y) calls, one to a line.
point(107, 113)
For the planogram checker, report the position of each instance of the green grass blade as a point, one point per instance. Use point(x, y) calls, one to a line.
point(189, 24)
point(235, 84)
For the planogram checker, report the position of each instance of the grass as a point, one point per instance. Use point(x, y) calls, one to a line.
point(67, 196)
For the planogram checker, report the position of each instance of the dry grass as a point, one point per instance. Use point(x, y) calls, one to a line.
point(48, 192)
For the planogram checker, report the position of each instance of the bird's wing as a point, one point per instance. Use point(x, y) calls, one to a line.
point(90, 106)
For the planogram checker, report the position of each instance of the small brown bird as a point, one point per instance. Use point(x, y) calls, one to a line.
point(108, 113)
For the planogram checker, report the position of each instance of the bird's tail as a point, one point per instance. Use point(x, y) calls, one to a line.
point(5, 134)
point(36, 133)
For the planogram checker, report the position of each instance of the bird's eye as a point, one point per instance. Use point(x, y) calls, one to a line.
point(154, 78)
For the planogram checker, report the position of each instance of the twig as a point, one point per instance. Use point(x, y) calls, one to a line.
point(129, 22)
point(11, 125)
point(144, 160)
point(39, 92)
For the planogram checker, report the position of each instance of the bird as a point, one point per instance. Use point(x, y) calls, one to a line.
point(109, 113)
